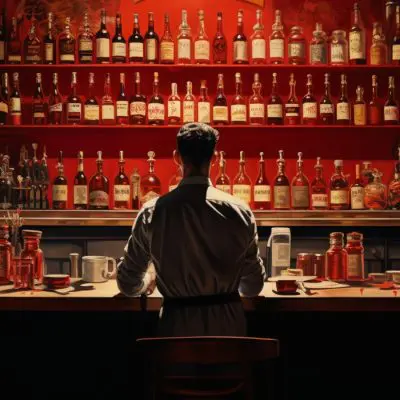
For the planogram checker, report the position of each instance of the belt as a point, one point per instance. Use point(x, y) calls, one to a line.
point(205, 300)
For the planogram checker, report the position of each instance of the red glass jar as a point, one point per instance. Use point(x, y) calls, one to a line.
point(336, 258)
point(32, 249)
point(5, 255)
point(355, 258)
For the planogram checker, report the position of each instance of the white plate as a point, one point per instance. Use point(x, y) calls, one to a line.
point(291, 278)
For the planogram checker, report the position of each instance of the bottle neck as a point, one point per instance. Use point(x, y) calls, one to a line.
point(281, 169)
point(155, 88)
point(327, 90)
point(309, 89)
point(219, 27)
point(292, 93)
point(203, 92)
point(374, 92)
point(121, 168)
point(240, 27)
point(100, 167)
point(318, 173)
point(261, 168)
point(80, 165)
point(151, 167)
point(343, 90)
point(73, 89)
point(137, 87)
point(122, 89)
point(103, 26)
point(151, 26)
point(222, 169)
point(238, 88)
point(107, 89)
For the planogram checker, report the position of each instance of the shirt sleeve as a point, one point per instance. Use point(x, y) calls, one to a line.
point(253, 272)
point(132, 277)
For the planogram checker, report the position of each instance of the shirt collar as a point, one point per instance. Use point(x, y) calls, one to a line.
point(195, 180)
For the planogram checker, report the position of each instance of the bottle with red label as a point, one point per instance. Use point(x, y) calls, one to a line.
point(319, 189)
point(223, 182)
point(309, 104)
point(300, 187)
point(122, 187)
point(262, 188)
point(292, 107)
point(60, 187)
point(99, 188)
point(340, 199)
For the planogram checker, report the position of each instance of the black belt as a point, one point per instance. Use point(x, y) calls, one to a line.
point(198, 301)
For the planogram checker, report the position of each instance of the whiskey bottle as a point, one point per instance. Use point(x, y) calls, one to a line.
point(277, 41)
point(319, 46)
point(201, 43)
point(241, 187)
point(103, 41)
point(2, 42)
point(292, 107)
point(135, 181)
point(32, 46)
point(80, 186)
point(56, 116)
point(256, 103)
point(38, 103)
point(99, 188)
point(219, 43)
point(367, 175)
point(326, 107)
point(14, 44)
point(339, 189)
point(85, 42)
point(189, 102)
point(310, 109)
point(240, 52)
point(177, 177)
point(122, 188)
point(184, 41)
point(297, 46)
point(343, 116)
point(150, 185)
point(300, 187)
point(357, 192)
point(258, 45)
point(167, 45)
point(262, 189)
point(238, 104)
point(391, 109)
point(137, 106)
point(357, 39)
point(91, 108)
point(4, 99)
point(74, 103)
point(118, 42)
point(360, 108)
point(122, 105)
point(274, 104)
point(222, 181)
point(319, 190)
point(156, 109)
point(174, 106)
point(66, 44)
point(151, 42)
point(281, 186)
point(396, 40)
point(220, 107)
point(379, 49)
point(107, 103)
point(374, 106)
point(49, 42)
point(136, 49)
point(15, 102)
point(60, 187)
point(204, 105)
point(375, 193)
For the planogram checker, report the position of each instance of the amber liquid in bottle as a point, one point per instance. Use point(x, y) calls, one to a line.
point(310, 111)
point(14, 45)
point(281, 186)
point(396, 40)
point(188, 106)
point(60, 187)
point(151, 42)
point(99, 188)
point(343, 116)
point(55, 103)
point(167, 45)
point(300, 187)
point(292, 107)
point(357, 43)
point(262, 188)
point(92, 107)
point(137, 106)
point(220, 108)
point(219, 46)
point(66, 44)
point(319, 189)
point(391, 109)
point(80, 186)
point(38, 103)
point(274, 104)
point(49, 42)
point(241, 187)
point(85, 42)
point(238, 105)
point(256, 103)
point(339, 189)
point(204, 105)
point(136, 47)
point(107, 103)
point(122, 104)
point(122, 187)
point(357, 192)
point(277, 41)
point(150, 185)
point(74, 104)
point(223, 182)
point(360, 108)
point(33, 51)
point(374, 107)
point(336, 258)
point(156, 109)
point(240, 51)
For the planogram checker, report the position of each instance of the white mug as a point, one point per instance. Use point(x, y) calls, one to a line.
point(95, 268)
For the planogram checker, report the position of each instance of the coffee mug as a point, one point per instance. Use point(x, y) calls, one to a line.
point(95, 268)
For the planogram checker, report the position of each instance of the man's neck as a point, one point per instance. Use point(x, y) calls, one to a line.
point(190, 171)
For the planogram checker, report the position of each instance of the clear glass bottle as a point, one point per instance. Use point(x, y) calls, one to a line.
point(91, 108)
point(357, 192)
point(258, 43)
point(277, 41)
point(379, 49)
point(103, 41)
point(223, 181)
point(32, 249)
point(85, 42)
point(137, 104)
point(360, 108)
point(343, 114)
point(74, 103)
point(219, 45)
point(262, 188)
point(167, 45)
point(220, 107)
point(204, 105)
point(281, 186)
point(374, 106)
point(66, 44)
point(357, 47)
point(122, 186)
point(355, 257)
point(174, 106)
point(375, 193)
point(309, 105)
point(340, 199)
point(297, 46)
point(156, 109)
point(118, 54)
point(339, 48)
point(135, 42)
point(318, 46)
point(240, 51)
point(201, 43)
point(257, 103)
point(107, 103)
point(326, 106)
point(319, 189)
point(99, 187)
point(241, 187)
point(292, 107)
point(60, 187)
point(150, 184)
point(238, 104)
point(336, 258)
point(151, 42)
point(300, 187)
point(184, 41)
point(80, 186)
point(274, 104)
point(391, 108)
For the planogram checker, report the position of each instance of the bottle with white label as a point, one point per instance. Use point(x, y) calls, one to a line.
point(292, 106)
point(60, 187)
point(297, 46)
point(357, 192)
point(167, 44)
point(103, 41)
point(135, 42)
point(343, 115)
point(49, 42)
point(15, 102)
point(238, 105)
point(258, 43)
point(277, 41)
point(118, 43)
point(66, 44)
point(240, 52)
point(122, 104)
point(220, 107)
point(326, 106)
point(201, 43)
point(137, 104)
point(122, 186)
point(319, 189)
point(85, 42)
point(319, 46)
point(74, 103)
point(300, 187)
point(204, 104)
point(357, 39)
point(222, 181)
point(80, 186)
point(274, 104)
point(91, 110)
point(184, 41)
point(241, 187)
point(174, 106)
point(339, 186)
point(107, 103)
point(189, 102)
point(155, 108)
point(360, 108)
point(309, 104)
point(256, 103)
point(396, 39)
point(281, 186)
point(56, 109)
point(151, 42)
point(355, 257)
point(262, 189)
point(99, 187)
point(391, 109)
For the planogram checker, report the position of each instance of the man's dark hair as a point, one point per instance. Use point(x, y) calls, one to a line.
point(196, 143)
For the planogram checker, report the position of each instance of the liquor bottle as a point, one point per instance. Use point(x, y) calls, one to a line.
point(262, 189)
point(136, 49)
point(204, 105)
point(103, 41)
point(360, 108)
point(357, 192)
point(375, 197)
point(357, 39)
point(91, 107)
point(274, 104)
point(339, 188)
point(300, 187)
point(2, 41)
point(118, 53)
point(184, 40)
point(319, 189)
point(122, 104)
point(310, 109)
point(223, 182)
point(241, 187)
point(49, 42)
point(38, 103)
point(256, 103)
point(151, 42)
point(219, 43)
point(281, 186)
point(240, 55)
point(15, 102)
point(177, 177)
point(107, 103)
point(80, 186)
point(122, 188)
point(319, 46)
point(155, 108)
point(85, 42)
point(336, 258)
point(258, 44)
point(379, 48)
point(238, 104)
point(74, 103)
point(374, 106)
point(56, 116)
point(394, 187)
point(137, 106)
point(135, 181)
point(367, 174)
point(14, 44)
point(220, 107)
point(391, 109)
point(396, 40)
point(167, 45)
point(60, 187)
point(150, 185)
point(99, 188)
point(174, 106)
point(292, 107)
point(4, 99)
point(339, 48)
point(189, 102)
point(66, 44)
point(277, 41)
point(297, 46)
point(201, 43)
point(343, 116)
point(32, 46)
point(326, 107)
point(355, 257)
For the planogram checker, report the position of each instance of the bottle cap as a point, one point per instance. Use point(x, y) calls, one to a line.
point(338, 163)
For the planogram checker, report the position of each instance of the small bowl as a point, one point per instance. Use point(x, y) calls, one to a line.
point(57, 281)
point(377, 277)
point(393, 275)
point(286, 286)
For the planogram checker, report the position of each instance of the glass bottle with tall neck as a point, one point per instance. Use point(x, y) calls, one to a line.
point(281, 186)
point(80, 186)
point(74, 103)
point(189, 102)
point(122, 104)
point(394, 186)
point(184, 41)
point(118, 42)
point(238, 104)
point(220, 108)
point(343, 116)
point(391, 109)
point(136, 48)
point(319, 46)
point(258, 44)
point(310, 109)
point(14, 44)
point(167, 45)
point(56, 109)
point(360, 108)
point(374, 106)
point(38, 103)
point(122, 187)
point(339, 188)
point(204, 104)
point(49, 42)
point(103, 41)
point(107, 103)
point(32, 46)
point(151, 42)
point(274, 104)
point(15, 102)
point(201, 43)
point(357, 46)
point(336, 258)
point(156, 109)
point(4, 99)
point(300, 187)
point(357, 192)
point(379, 49)
point(395, 45)
point(262, 189)
point(135, 182)
point(256, 103)
point(326, 107)
point(150, 184)
point(319, 189)
point(66, 44)
point(240, 50)
point(277, 41)
point(219, 43)
point(99, 189)
point(174, 106)
point(85, 42)
point(292, 107)
point(60, 186)
point(92, 107)
point(241, 187)
point(222, 181)
point(137, 105)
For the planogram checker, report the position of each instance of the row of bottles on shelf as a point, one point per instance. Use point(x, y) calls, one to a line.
point(254, 110)
point(185, 49)
point(30, 191)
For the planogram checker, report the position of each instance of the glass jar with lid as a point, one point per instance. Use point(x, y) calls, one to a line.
point(32, 249)
point(318, 46)
point(355, 256)
point(297, 46)
point(336, 258)
point(339, 48)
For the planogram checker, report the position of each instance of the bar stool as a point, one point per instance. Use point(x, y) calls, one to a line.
point(206, 367)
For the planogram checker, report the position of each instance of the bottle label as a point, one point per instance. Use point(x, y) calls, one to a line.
point(338, 55)
point(138, 108)
point(60, 192)
point(203, 110)
point(174, 109)
point(33, 53)
point(280, 256)
point(39, 114)
point(276, 48)
point(297, 50)
point(122, 108)
point(98, 198)
point(156, 111)
point(342, 111)
point(202, 50)
point(103, 48)
point(292, 110)
point(220, 113)
point(396, 52)
point(257, 110)
point(224, 188)
point(326, 108)
point(80, 194)
point(67, 56)
point(319, 200)
point(355, 266)
point(310, 110)
point(107, 111)
point(86, 45)
point(339, 197)
point(135, 50)
point(242, 192)
point(48, 51)
point(74, 108)
point(275, 110)
point(240, 51)
point(55, 108)
point(119, 49)
point(262, 193)
point(151, 49)
point(122, 193)
point(378, 56)
point(357, 198)
point(14, 58)
point(184, 49)
point(300, 197)
point(3, 107)
point(258, 49)
point(391, 113)
point(92, 112)
point(318, 54)
point(188, 111)
point(167, 51)
point(356, 46)
point(281, 197)
point(15, 105)
point(238, 113)
point(360, 114)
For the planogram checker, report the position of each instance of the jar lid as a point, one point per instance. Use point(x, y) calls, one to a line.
point(355, 236)
point(339, 32)
point(27, 232)
point(296, 28)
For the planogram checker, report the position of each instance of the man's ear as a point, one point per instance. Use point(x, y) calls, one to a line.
point(177, 157)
